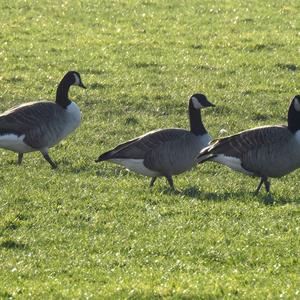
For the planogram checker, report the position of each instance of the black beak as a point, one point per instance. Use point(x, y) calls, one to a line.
point(209, 104)
point(82, 85)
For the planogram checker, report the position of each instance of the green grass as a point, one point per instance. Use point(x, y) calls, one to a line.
point(96, 231)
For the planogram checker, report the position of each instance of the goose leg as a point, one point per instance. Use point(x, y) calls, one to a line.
point(267, 185)
point(259, 186)
point(49, 160)
point(170, 181)
point(152, 181)
point(20, 157)
point(268, 199)
point(263, 180)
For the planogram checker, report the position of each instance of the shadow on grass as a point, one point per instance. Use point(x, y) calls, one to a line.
point(267, 199)
point(5, 295)
point(156, 296)
point(94, 72)
point(11, 244)
point(65, 165)
point(281, 200)
point(289, 67)
point(194, 192)
point(15, 79)
point(79, 169)
point(140, 65)
point(96, 86)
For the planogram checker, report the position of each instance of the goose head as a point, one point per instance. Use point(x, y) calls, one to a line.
point(198, 101)
point(294, 114)
point(73, 78)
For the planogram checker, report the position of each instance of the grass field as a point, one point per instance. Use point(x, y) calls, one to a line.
point(95, 231)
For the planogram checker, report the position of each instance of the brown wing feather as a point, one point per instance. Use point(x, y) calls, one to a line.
point(26, 116)
point(174, 156)
point(137, 148)
point(32, 119)
point(239, 144)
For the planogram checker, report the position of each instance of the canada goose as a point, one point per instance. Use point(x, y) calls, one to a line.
point(164, 152)
point(37, 126)
point(268, 151)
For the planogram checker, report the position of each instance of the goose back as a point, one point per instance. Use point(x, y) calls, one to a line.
point(138, 147)
point(167, 151)
point(271, 151)
point(43, 123)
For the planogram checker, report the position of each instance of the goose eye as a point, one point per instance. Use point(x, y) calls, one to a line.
point(297, 104)
point(196, 103)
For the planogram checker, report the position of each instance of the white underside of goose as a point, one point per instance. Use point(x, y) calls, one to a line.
point(15, 143)
point(232, 162)
point(135, 165)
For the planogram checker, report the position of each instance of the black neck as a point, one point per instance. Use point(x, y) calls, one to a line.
point(293, 119)
point(62, 94)
point(196, 124)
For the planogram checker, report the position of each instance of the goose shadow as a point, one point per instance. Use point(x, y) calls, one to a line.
point(81, 169)
point(194, 192)
point(70, 166)
point(282, 200)
point(11, 244)
point(267, 199)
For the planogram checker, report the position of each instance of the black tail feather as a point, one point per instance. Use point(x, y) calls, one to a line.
point(104, 156)
point(205, 157)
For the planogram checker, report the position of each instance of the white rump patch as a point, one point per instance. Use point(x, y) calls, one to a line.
point(77, 79)
point(135, 165)
point(196, 103)
point(296, 104)
point(15, 143)
point(232, 162)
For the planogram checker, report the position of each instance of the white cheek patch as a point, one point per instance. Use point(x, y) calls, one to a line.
point(296, 104)
point(196, 103)
point(77, 80)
